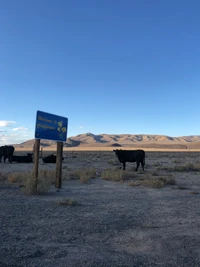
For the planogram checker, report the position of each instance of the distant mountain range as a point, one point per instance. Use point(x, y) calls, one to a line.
point(123, 140)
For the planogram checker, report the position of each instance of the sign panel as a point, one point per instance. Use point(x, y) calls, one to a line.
point(51, 127)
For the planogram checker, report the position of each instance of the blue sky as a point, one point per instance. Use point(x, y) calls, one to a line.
point(130, 66)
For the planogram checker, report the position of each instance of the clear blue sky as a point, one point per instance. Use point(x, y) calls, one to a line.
point(120, 66)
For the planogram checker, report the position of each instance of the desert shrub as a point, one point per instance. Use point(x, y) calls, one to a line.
point(184, 168)
point(188, 167)
point(113, 162)
point(17, 177)
point(155, 173)
point(177, 161)
point(157, 164)
point(153, 182)
point(194, 192)
point(86, 174)
point(67, 202)
point(2, 176)
point(70, 175)
point(27, 182)
point(29, 187)
point(116, 175)
point(181, 187)
point(168, 180)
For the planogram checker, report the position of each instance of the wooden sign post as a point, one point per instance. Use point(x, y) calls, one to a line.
point(59, 164)
point(36, 162)
point(50, 127)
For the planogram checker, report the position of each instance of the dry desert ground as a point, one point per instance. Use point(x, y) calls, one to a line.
point(102, 216)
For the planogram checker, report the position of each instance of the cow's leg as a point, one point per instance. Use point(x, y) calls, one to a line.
point(138, 164)
point(142, 165)
point(4, 159)
point(124, 166)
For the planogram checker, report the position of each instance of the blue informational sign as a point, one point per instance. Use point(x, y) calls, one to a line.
point(51, 127)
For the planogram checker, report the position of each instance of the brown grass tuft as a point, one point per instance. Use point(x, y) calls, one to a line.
point(27, 182)
point(153, 182)
point(67, 202)
point(86, 174)
point(2, 177)
point(116, 175)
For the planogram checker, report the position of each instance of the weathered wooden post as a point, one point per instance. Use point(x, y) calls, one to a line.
point(36, 162)
point(59, 164)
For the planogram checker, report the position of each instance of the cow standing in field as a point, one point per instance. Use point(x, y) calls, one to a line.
point(6, 152)
point(137, 156)
point(23, 159)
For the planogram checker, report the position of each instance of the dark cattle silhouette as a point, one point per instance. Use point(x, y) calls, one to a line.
point(137, 156)
point(50, 159)
point(6, 152)
point(23, 159)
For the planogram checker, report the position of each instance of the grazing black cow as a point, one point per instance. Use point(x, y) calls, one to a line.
point(23, 159)
point(137, 156)
point(6, 152)
point(50, 159)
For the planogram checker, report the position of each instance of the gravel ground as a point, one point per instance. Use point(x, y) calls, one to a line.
point(112, 224)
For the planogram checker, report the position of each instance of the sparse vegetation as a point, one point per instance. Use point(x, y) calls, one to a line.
point(2, 176)
point(27, 182)
point(181, 187)
point(185, 168)
point(177, 161)
point(153, 182)
point(113, 162)
point(17, 177)
point(67, 202)
point(155, 173)
point(84, 174)
point(157, 164)
point(116, 175)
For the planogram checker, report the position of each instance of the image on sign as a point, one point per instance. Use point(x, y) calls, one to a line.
point(51, 127)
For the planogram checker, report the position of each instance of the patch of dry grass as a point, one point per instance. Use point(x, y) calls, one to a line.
point(114, 162)
point(155, 182)
point(67, 202)
point(116, 175)
point(27, 182)
point(86, 174)
point(17, 177)
point(2, 176)
point(181, 187)
point(184, 168)
point(188, 167)
point(177, 161)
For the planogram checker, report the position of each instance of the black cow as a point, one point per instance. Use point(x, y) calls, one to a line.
point(137, 156)
point(50, 159)
point(6, 152)
point(23, 159)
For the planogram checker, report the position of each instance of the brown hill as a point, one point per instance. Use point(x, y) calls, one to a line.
point(131, 140)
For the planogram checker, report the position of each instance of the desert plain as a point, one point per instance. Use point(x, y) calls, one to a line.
point(110, 218)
